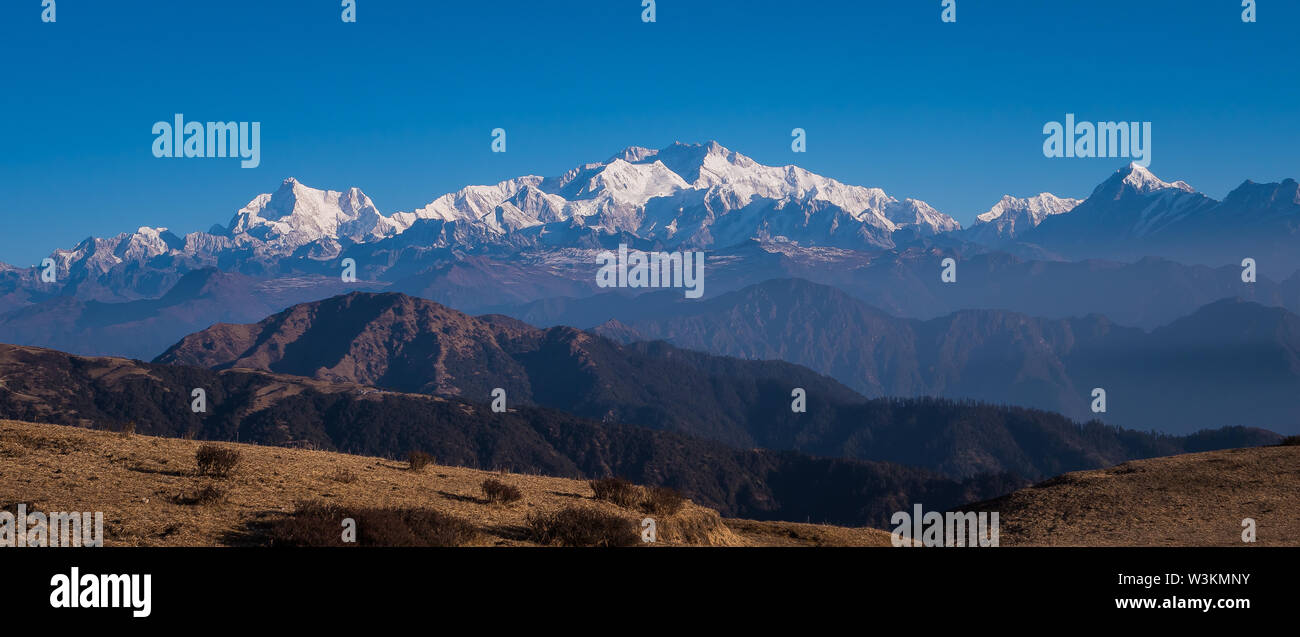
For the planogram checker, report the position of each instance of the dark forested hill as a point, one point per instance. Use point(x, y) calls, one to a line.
point(411, 344)
point(49, 386)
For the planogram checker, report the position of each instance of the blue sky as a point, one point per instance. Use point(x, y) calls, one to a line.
point(401, 103)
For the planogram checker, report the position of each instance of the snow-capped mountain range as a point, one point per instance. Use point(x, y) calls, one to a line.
point(684, 196)
point(1013, 216)
point(691, 195)
point(1135, 214)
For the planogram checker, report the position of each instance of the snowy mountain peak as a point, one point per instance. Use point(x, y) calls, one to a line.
point(1144, 182)
point(637, 182)
point(1128, 206)
point(1035, 208)
point(296, 214)
point(920, 216)
point(1011, 216)
point(697, 164)
point(633, 154)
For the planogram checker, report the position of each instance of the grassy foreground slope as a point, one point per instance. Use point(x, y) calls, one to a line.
point(152, 494)
point(1194, 499)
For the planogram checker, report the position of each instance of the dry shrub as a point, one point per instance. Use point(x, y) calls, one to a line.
point(662, 501)
point(616, 490)
point(209, 494)
point(343, 475)
point(499, 492)
point(1290, 441)
point(218, 462)
point(582, 526)
point(317, 524)
point(59, 446)
point(419, 460)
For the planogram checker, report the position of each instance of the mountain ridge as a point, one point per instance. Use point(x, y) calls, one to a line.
point(1001, 356)
point(273, 409)
point(681, 197)
point(406, 344)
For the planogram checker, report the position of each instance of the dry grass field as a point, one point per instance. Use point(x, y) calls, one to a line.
point(1195, 499)
point(152, 494)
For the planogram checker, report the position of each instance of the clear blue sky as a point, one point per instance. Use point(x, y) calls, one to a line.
point(402, 102)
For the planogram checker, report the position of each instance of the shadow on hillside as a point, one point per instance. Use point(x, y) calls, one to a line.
point(254, 532)
point(161, 472)
point(508, 532)
point(463, 498)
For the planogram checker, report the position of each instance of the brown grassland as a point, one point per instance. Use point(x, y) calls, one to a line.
point(1193, 499)
point(152, 493)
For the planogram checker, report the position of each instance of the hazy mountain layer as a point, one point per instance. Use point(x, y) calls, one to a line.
point(415, 345)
